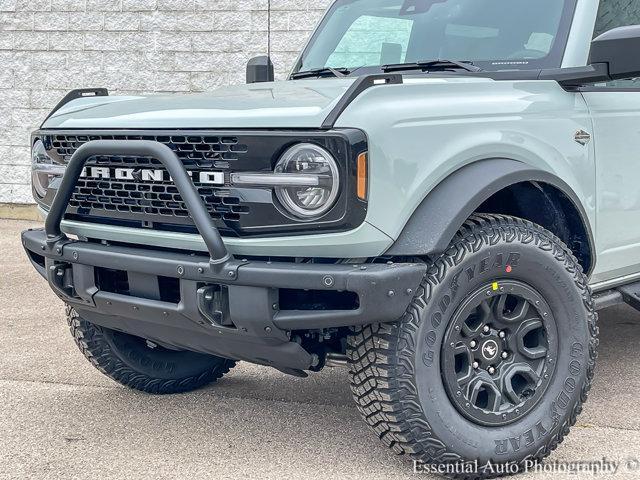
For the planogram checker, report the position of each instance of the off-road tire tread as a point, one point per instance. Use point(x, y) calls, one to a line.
point(93, 345)
point(381, 369)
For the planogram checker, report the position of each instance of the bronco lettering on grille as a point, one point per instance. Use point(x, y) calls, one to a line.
point(149, 175)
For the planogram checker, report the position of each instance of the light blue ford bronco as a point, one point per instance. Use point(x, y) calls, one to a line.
point(440, 196)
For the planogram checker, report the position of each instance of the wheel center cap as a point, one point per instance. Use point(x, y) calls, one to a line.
point(490, 350)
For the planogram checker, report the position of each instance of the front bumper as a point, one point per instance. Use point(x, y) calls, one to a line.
point(223, 306)
point(247, 324)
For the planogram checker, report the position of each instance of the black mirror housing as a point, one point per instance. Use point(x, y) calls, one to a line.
point(620, 49)
point(260, 69)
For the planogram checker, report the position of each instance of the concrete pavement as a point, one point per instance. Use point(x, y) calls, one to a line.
point(61, 418)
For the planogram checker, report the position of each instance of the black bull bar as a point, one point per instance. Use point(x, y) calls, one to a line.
point(227, 306)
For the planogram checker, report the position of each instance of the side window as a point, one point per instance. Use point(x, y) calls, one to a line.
point(613, 14)
point(373, 41)
point(616, 13)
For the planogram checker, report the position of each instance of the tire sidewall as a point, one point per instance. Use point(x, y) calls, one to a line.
point(158, 363)
point(545, 266)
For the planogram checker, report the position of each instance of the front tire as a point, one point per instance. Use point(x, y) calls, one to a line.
point(493, 359)
point(143, 365)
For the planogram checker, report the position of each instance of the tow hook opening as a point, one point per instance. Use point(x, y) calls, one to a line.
point(213, 304)
point(61, 277)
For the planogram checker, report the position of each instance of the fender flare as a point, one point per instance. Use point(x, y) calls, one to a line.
point(435, 222)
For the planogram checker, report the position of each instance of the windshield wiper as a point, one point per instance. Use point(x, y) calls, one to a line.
point(321, 72)
point(431, 65)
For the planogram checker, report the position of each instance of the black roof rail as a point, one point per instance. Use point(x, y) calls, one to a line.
point(75, 94)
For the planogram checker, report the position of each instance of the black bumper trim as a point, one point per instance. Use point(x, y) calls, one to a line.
point(384, 292)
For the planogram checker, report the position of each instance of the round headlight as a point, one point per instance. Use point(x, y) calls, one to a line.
point(39, 179)
point(312, 160)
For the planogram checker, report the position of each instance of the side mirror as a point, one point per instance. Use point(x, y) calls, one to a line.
point(620, 49)
point(260, 69)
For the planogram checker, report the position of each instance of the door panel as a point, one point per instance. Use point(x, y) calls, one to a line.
point(616, 123)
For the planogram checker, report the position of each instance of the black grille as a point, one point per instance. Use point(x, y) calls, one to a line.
point(158, 198)
point(193, 150)
point(156, 201)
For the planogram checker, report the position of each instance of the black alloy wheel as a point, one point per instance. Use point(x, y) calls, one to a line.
point(498, 353)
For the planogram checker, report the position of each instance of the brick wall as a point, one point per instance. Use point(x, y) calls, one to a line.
point(48, 47)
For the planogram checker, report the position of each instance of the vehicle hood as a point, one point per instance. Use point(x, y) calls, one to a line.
point(290, 104)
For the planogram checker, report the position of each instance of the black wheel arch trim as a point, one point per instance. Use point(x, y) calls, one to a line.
point(444, 210)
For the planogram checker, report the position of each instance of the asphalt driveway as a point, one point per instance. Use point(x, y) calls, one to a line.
point(60, 418)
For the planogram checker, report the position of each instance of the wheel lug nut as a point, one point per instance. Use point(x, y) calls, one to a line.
point(473, 344)
point(502, 334)
point(505, 355)
point(486, 329)
point(491, 370)
point(476, 365)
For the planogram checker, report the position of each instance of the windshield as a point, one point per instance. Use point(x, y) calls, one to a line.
point(493, 34)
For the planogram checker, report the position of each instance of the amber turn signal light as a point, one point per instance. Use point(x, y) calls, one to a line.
point(362, 176)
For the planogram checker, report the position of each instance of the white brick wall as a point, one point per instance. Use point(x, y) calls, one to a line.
point(48, 47)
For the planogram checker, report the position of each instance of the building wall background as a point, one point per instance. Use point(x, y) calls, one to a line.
point(48, 47)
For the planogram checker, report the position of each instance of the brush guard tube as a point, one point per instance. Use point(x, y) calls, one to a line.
point(138, 148)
